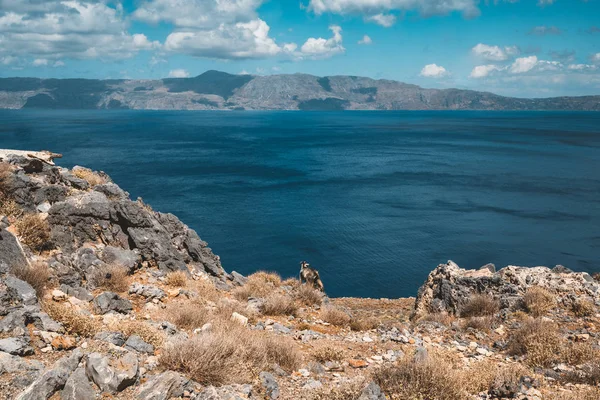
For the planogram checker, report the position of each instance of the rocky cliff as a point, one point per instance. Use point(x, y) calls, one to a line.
point(102, 297)
point(214, 90)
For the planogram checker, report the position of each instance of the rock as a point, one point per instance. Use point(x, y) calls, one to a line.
point(136, 343)
point(269, 384)
point(109, 301)
point(77, 292)
point(17, 346)
point(372, 392)
point(10, 364)
point(11, 254)
point(354, 363)
point(163, 386)
point(239, 318)
point(421, 355)
point(23, 289)
point(490, 267)
point(63, 343)
point(312, 384)
point(78, 387)
point(147, 291)
point(112, 373)
point(238, 279)
point(59, 295)
point(229, 392)
point(53, 379)
point(125, 258)
point(116, 338)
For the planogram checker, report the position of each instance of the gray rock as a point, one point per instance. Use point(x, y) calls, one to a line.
point(421, 354)
point(238, 279)
point(53, 379)
point(17, 346)
point(229, 392)
point(78, 387)
point(147, 291)
point(116, 338)
point(269, 383)
point(112, 191)
point(77, 292)
point(135, 343)
point(163, 386)
point(123, 257)
point(10, 364)
point(277, 327)
point(112, 373)
point(372, 392)
point(23, 289)
point(109, 301)
point(312, 384)
point(10, 252)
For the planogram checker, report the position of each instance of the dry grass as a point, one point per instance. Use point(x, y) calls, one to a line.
point(440, 318)
point(574, 394)
point(230, 353)
point(6, 171)
point(259, 284)
point(539, 341)
point(90, 176)
point(111, 277)
point(33, 231)
point(480, 305)
point(587, 374)
point(176, 279)
point(74, 322)
point(363, 324)
point(583, 308)
point(9, 207)
point(36, 274)
point(278, 304)
point(147, 332)
point(328, 353)
point(482, 324)
point(579, 353)
point(538, 301)
point(308, 296)
point(291, 282)
point(432, 379)
point(335, 316)
point(188, 315)
point(344, 391)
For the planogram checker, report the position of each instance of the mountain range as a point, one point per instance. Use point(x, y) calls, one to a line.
point(215, 90)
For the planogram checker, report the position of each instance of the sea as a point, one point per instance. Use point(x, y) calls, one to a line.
point(373, 200)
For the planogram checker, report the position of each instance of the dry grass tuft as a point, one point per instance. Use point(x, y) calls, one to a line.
point(278, 304)
point(176, 279)
point(308, 296)
point(90, 176)
point(574, 394)
point(6, 171)
point(111, 277)
point(291, 282)
point(431, 379)
point(230, 353)
point(9, 207)
point(259, 284)
point(579, 353)
point(74, 322)
point(36, 274)
point(33, 231)
point(363, 324)
point(343, 391)
point(328, 353)
point(147, 332)
point(587, 374)
point(539, 341)
point(268, 277)
point(188, 315)
point(480, 305)
point(583, 308)
point(538, 301)
point(482, 324)
point(439, 318)
point(335, 316)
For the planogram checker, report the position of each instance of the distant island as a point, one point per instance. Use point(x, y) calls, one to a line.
point(214, 90)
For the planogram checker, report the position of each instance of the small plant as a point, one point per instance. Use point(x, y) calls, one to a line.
point(480, 305)
point(93, 178)
point(363, 324)
point(9, 207)
point(328, 353)
point(335, 316)
point(308, 296)
point(189, 315)
point(176, 279)
point(111, 277)
point(538, 301)
point(147, 332)
point(259, 284)
point(36, 274)
point(74, 322)
point(583, 308)
point(33, 231)
point(539, 341)
point(278, 304)
point(344, 391)
point(482, 324)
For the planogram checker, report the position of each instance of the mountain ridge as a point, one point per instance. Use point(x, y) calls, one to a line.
point(216, 90)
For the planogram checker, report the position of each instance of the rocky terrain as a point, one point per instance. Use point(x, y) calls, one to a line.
point(214, 90)
point(102, 297)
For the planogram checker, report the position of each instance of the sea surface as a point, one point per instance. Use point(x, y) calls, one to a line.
point(373, 200)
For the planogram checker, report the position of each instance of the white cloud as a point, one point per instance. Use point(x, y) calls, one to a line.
point(523, 64)
point(582, 67)
point(596, 58)
point(385, 20)
point(40, 62)
point(178, 73)
point(543, 3)
point(433, 71)
point(482, 71)
point(494, 53)
point(373, 7)
point(324, 48)
point(8, 60)
point(366, 40)
point(58, 64)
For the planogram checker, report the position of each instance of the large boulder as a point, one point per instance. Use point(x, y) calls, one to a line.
point(109, 301)
point(112, 373)
point(449, 287)
point(11, 254)
point(163, 386)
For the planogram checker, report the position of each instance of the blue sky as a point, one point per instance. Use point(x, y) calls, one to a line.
point(529, 48)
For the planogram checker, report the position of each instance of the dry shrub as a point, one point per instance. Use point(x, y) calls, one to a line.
point(259, 284)
point(230, 353)
point(335, 316)
point(9, 207)
point(147, 332)
point(538, 301)
point(482, 324)
point(36, 274)
point(539, 341)
point(433, 378)
point(583, 308)
point(575, 394)
point(503, 379)
point(328, 353)
point(308, 296)
point(176, 279)
point(111, 277)
point(205, 288)
point(587, 374)
point(6, 171)
point(278, 304)
point(33, 231)
point(351, 390)
point(291, 282)
point(74, 322)
point(579, 353)
point(90, 176)
point(189, 315)
point(363, 324)
point(439, 318)
point(480, 305)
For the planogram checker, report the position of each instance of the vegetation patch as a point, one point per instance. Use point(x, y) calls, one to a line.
point(33, 231)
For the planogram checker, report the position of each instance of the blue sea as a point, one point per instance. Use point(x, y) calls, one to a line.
point(373, 200)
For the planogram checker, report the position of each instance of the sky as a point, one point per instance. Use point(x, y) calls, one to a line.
point(523, 48)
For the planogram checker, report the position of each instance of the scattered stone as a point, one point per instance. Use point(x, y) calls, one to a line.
point(63, 343)
point(116, 338)
point(17, 346)
point(163, 386)
point(10, 364)
point(59, 295)
point(354, 363)
point(312, 384)
point(78, 387)
point(372, 392)
point(135, 343)
point(239, 318)
point(147, 291)
point(109, 301)
point(112, 373)
point(269, 384)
